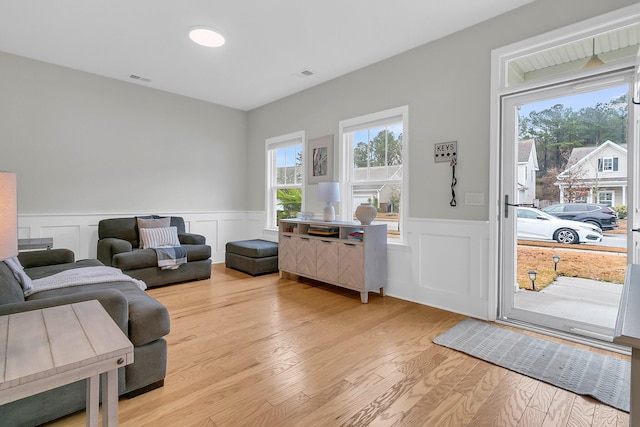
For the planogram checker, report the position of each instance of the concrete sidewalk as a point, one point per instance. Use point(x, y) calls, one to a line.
point(573, 298)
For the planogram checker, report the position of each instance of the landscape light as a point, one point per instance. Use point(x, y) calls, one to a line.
point(532, 275)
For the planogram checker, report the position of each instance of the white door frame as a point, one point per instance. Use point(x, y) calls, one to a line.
point(499, 87)
point(633, 155)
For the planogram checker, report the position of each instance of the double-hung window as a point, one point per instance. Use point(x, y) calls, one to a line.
point(374, 167)
point(608, 164)
point(284, 170)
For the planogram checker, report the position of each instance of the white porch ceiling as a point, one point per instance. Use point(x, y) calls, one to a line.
point(609, 47)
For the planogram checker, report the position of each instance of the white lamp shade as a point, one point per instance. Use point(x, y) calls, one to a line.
point(8, 216)
point(328, 192)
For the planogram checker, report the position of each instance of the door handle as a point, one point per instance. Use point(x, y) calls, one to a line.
point(637, 230)
point(507, 204)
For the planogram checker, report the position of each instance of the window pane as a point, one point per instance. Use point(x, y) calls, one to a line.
point(386, 198)
point(361, 149)
point(377, 153)
point(378, 147)
point(281, 166)
point(289, 165)
point(288, 203)
point(394, 150)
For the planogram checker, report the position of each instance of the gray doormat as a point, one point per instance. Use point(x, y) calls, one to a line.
point(583, 372)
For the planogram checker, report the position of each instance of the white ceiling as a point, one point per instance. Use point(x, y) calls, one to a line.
point(268, 41)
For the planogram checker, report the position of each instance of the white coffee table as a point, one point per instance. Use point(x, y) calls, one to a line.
point(44, 349)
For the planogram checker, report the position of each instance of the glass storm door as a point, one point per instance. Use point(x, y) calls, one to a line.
point(555, 120)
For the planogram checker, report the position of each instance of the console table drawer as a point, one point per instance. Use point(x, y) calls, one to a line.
point(287, 253)
point(351, 265)
point(327, 260)
point(306, 256)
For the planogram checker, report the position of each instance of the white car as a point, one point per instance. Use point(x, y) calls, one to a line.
point(535, 224)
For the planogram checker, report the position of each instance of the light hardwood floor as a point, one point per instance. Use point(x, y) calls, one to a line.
point(272, 352)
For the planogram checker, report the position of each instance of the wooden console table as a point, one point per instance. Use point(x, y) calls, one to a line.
point(48, 348)
point(348, 254)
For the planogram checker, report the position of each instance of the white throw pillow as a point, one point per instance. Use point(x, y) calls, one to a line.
point(155, 237)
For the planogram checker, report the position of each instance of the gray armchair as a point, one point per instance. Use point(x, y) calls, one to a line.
point(118, 246)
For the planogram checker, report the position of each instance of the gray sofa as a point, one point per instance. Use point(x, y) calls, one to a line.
point(118, 246)
point(141, 317)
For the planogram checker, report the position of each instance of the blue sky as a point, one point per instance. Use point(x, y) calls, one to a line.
point(576, 102)
point(287, 156)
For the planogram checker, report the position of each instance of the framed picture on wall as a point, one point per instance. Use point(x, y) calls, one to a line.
point(320, 159)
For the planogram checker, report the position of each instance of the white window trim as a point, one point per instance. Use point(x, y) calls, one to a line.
point(609, 192)
point(346, 160)
point(294, 138)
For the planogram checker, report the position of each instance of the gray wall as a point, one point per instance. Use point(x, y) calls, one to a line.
point(446, 84)
point(81, 143)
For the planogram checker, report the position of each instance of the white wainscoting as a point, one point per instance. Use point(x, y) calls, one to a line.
point(449, 265)
point(79, 232)
point(444, 263)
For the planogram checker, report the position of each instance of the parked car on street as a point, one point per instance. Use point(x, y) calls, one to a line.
point(535, 224)
point(601, 215)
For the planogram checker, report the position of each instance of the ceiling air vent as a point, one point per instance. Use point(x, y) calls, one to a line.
point(142, 79)
point(305, 73)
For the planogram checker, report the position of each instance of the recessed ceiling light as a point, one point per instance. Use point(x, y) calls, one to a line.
point(206, 37)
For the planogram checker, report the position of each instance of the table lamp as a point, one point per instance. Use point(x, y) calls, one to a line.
point(329, 192)
point(8, 216)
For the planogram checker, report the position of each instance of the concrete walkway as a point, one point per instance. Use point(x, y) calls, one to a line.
point(583, 300)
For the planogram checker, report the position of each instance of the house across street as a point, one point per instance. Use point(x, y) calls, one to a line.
point(598, 173)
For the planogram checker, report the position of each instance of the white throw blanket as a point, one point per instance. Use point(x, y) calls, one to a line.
point(82, 276)
point(16, 268)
